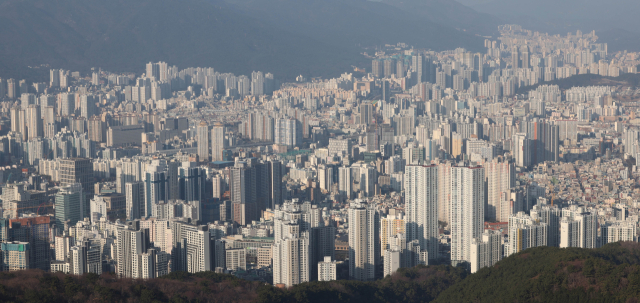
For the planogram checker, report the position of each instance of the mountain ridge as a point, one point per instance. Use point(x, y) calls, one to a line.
point(313, 38)
point(75, 34)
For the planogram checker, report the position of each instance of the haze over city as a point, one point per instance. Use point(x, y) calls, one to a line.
point(319, 151)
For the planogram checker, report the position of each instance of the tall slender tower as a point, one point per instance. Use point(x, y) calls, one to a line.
point(292, 245)
point(11, 89)
point(156, 185)
point(515, 58)
point(366, 113)
point(79, 170)
point(15, 119)
point(242, 185)
point(275, 179)
point(521, 149)
point(467, 210)
point(421, 206)
point(500, 179)
point(364, 242)
point(218, 142)
point(54, 78)
point(134, 200)
point(34, 121)
point(444, 191)
point(344, 179)
point(203, 141)
point(129, 244)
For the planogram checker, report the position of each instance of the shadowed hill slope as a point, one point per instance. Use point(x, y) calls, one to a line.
point(549, 274)
point(285, 37)
point(123, 35)
point(543, 274)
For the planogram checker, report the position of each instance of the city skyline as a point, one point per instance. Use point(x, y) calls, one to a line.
point(411, 158)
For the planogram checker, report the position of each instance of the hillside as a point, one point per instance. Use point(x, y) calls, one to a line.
point(549, 274)
point(543, 274)
point(359, 22)
point(418, 284)
point(421, 284)
point(122, 35)
point(285, 37)
point(38, 286)
point(444, 11)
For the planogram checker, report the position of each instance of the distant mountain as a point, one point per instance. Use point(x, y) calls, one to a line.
point(285, 37)
point(450, 13)
point(357, 22)
point(560, 17)
point(122, 35)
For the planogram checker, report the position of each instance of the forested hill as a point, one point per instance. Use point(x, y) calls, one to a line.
point(284, 37)
point(549, 274)
point(543, 274)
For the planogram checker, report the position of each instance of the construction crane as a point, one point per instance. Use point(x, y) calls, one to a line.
point(49, 154)
point(31, 207)
point(42, 204)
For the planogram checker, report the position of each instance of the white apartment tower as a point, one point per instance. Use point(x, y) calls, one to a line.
point(444, 191)
point(301, 241)
point(291, 248)
point(366, 176)
point(34, 121)
point(521, 149)
point(77, 260)
point(62, 246)
point(486, 250)
point(325, 177)
point(236, 259)
point(291, 257)
point(578, 228)
point(500, 179)
point(525, 232)
point(392, 260)
point(618, 231)
point(551, 216)
point(156, 185)
point(364, 241)
point(218, 142)
point(390, 226)
point(192, 247)
point(467, 210)
point(302, 226)
point(421, 206)
point(202, 134)
point(344, 179)
point(288, 132)
point(401, 253)
point(129, 243)
point(327, 270)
